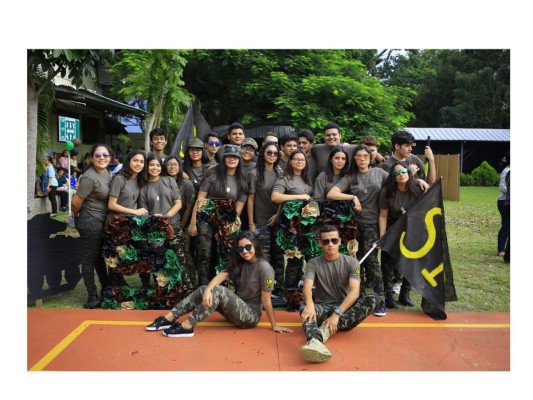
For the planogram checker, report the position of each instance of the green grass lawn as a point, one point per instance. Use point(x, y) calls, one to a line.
point(482, 279)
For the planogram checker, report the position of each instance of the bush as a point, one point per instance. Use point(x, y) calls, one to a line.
point(485, 175)
point(466, 180)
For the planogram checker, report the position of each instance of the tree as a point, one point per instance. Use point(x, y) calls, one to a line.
point(455, 88)
point(301, 88)
point(154, 79)
point(43, 67)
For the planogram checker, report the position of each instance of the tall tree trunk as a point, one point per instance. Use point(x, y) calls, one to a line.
point(33, 104)
point(153, 120)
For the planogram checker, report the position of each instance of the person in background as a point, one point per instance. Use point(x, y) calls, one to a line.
point(89, 206)
point(49, 183)
point(336, 169)
point(505, 228)
point(225, 181)
point(235, 136)
point(124, 191)
point(271, 137)
point(195, 162)
point(62, 161)
point(73, 178)
point(174, 168)
point(337, 303)
point(158, 141)
point(287, 143)
point(305, 143)
point(332, 138)
point(402, 144)
point(212, 146)
point(248, 150)
point(62, 189)
point(372, 145)
point(362, 185)
point(253, 278)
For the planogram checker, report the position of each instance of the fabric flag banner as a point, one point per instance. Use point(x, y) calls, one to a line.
point(193, 125)
point(418, 243)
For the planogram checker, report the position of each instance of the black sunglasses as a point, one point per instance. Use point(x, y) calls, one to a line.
point(247, 247)
point(325, 242)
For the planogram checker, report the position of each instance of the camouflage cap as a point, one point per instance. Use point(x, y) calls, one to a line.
point(232, 150)
point(249, 142)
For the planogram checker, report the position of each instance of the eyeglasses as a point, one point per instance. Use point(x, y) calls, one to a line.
point(98, 155)
point(298, 160)
point(232, 157)
point(325, 242)
point(248, 149)
point(211, 143)
point(195, 149)
point(272, 153)
point(247, 247)
point(400, 171)
point(362, 156)
point(173, 165)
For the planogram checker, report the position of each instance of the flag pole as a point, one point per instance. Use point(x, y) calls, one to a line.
point(368, 253)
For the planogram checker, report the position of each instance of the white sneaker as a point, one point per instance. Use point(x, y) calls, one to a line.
point(396, 287)
point(315, 351)
point(325, 333)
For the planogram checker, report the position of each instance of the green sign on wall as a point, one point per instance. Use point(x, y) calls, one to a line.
point(69, 129)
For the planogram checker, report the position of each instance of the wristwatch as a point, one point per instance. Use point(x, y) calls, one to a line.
point(338, 312)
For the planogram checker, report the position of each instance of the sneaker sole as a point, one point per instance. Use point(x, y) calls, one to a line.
point(315, 356)
point(178, 335)
point(153, 328)
point(380, 314)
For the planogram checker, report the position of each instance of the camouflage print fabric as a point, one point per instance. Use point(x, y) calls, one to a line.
point(361, 309)
point(391, 273)
point(227, 303)
point(177, 244)
point(271, 251)
point(371, 277)
point(203, 242)
point(189, 263)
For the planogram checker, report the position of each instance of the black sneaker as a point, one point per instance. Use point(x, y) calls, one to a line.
point(380, 310)
point(159, 323)
point(176, 330)
point(93, 301)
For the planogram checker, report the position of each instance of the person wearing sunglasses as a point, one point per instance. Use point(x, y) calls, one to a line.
point(212, 146)
point(337, 303)
point(89, 207)
point(261, 211)
point(401, 189)
point(225, 181)
point(362, 185)
point(253, 278)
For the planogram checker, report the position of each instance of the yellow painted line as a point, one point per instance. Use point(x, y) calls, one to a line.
point(52, 354)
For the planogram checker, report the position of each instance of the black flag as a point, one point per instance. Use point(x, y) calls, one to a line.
point(418, 243)
point(193, 125)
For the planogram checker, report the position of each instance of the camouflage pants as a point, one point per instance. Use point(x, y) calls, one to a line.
point(189, 263)
point(226, 302)
point(371, 276)
point(361, 309)
point(204, 249)
point(177, 244)
point(271, 251)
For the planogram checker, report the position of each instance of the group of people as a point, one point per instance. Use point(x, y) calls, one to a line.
point(257, 181)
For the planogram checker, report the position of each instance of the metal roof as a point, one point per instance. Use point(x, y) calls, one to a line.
point(461, 134)
point(96, 100)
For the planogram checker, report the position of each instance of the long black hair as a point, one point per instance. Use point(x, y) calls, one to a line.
point(260, 166)
point(289, 171)
point(329, 167)
point(151, 156)
point(221, 177)
point(179, 176)
point(126, 169)
point(354, 169)
point(390, 184)
point(236, 261)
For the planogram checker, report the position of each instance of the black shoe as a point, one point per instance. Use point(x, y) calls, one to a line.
point(380, 310)
point(403, 298)
point(389, 300)
point(93, 301)
point(176, 330)
point(159, 323)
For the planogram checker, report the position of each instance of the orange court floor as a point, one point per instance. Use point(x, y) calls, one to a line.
point(116, 340)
